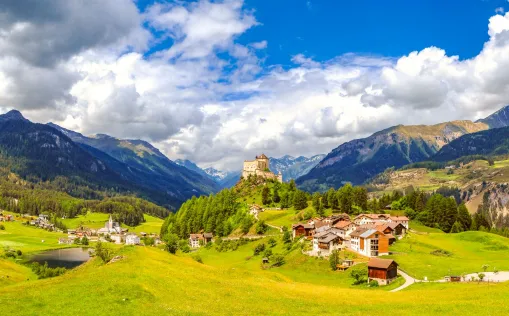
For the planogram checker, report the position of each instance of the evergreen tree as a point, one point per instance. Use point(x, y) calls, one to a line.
point(464, 217)
point(265, 195)
point(325, 199)
point(292, 185)
point(332, 199)
point(285, 203)
point(316, 201)
point(300, 200)
point(275, 196)
point(457, 227)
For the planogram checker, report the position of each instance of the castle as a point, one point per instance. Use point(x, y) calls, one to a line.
point(260, 167)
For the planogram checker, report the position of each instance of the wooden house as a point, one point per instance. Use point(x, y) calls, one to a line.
point(207, 237)
point(302, 230)
point(384, 271)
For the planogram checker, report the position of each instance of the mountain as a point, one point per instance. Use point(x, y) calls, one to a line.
point(489, 142)
point(223, 179)
point(293, 167)
point(497, 119)
point(143, 164)
point(358, 160)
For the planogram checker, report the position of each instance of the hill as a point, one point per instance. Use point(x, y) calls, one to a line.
point(358, 160)
point(144, 165)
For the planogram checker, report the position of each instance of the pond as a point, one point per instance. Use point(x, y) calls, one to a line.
point(67, 258)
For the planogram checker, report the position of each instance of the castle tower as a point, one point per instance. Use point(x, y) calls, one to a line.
point(263, 162)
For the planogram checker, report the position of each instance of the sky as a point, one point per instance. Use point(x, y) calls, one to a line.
point(218, 82)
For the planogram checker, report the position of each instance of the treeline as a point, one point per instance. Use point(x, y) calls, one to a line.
point(219, 214)
point(29, 199)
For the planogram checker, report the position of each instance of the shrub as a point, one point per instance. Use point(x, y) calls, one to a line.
point(277, 260)
point(2, 227)
point(84, 241)
point(259, 249)
point(197, 258)
point(261, 227)
point(272, 242)
point(184, 246)
point(359, 274)
point(43, 271)
point(441, 253)
point(481, 276)
point(267, 253)
point(103, 252)
point(171, 243)
point(373, 283)
point(334, 260)
point(19, 253)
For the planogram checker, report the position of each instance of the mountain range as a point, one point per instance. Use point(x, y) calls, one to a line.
point(358, 160)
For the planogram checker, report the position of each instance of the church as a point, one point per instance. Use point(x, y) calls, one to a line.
point(110, 227)
point(260, 167)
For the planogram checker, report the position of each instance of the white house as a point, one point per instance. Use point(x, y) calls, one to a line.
point(325, 242)
point(364, 219)
point(110, 227)
point(195, 240)
point(116, 238)
point(399, 220)
point(345, 228)
point(132, 239)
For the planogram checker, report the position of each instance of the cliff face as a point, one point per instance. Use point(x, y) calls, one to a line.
point(491, 200)
point(360, 159)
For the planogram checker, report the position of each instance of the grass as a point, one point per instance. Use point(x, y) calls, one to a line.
point(279, 218)
point(415, 225)
point(149, 281)
point(97, 220)
point(27, 238)
point(468, 252)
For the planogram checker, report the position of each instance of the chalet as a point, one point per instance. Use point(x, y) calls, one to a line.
point(132, 239)
point(363, 219)
point(384, 271)
point(399, 220)
point(207, 237)
point(369, 242)
point(398, 229)
point(65, 241)
point(345, 228)
point(333, 219)
point(255, 210)
point(116, 238)
point(302, 230)
point(326, 242)
point(71, 231)
point(195, 240)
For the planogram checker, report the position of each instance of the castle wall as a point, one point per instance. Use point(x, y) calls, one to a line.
point(257, 167)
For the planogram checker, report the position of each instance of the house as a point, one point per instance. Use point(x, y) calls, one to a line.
point(255, 210)
point(65, 241)
point(116, 238)
point(364, 219)
point(132, 239)
point(207, 237)
point(71, 231)
point(369, 242)
point(398, 229)
point(452, 278)
point(345, 228)
point(399, 220)
point(325, 242)
point(302, 230)
point(384, 271)
point(195, 240)
point(333, 219)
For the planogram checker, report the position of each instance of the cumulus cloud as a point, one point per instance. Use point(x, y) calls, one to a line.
point(211, 99)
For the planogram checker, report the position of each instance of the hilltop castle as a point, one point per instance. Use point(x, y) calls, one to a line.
point(260, 167)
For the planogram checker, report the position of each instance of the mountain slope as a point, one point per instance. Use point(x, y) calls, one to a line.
point(490, 142)
point(145, 165)
point(358, 160)
point(293, 167)
point(497, 119)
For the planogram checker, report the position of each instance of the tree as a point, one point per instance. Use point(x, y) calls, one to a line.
point(261, 227)
point(359, 275)
point(325, 200)
point(334, 260)
point(272, 242)
point(287, 236)
point(464, 217)
point(77, 241)
point(485, 267)
point(300, 200)
point(292, 185)
point(332, 199)
point(456, 228)
point(275, 196)
point(103, 252)
point(247, 222)
point(277, 260)
point(285, 202)
point(172, 243)
point(320, 211)
point(258, 249)
point(84, 241)
point(265, 195)
point(481, 276)
point(316, 201)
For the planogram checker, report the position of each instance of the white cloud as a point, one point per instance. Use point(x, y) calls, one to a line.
point(210, 99)
point(500, 10)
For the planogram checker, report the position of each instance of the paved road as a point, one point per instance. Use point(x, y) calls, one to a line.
point(408, 281)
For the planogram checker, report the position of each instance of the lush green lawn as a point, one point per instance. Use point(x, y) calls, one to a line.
point(469, 251)
point(90, 220)
point(415, 225)
point(12, 272)
point(149, 281)
point(97, 220)
point(27, 238)
point(152, 225)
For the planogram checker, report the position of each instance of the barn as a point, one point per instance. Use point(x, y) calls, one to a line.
point(384, 271)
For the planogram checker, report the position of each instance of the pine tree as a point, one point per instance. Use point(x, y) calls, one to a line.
point(464, 217)
point(332, 199)
point(265, 195)
point(316, 201)
point(275, 196)
point(457, 227)
point(299, 200)
point(325, 200)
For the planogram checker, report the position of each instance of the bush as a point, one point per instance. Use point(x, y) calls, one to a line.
point(19, 253)
point(272, 242)
point(43, 271)
point(334, 260)
point(103, 252)
point(77, 241)
point(197, 258)
point(277, 260)
point(287, 236)
point(2, 227)
point(261, 227)
point(171, 243)
point(267, 253)
point(258, 249)
point(359, 274)
point(184, 246)
point(84, 241)
point(373, 283)
point(441, 253)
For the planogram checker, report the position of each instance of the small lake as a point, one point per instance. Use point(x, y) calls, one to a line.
point(67, 258)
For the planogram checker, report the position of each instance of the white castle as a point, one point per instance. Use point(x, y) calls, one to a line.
point(260, 167)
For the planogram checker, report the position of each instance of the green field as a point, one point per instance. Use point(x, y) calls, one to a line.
point(97, 220)
point(27, 238)
point(469, 251)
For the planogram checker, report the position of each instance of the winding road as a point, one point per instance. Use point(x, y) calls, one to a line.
point(408, 281)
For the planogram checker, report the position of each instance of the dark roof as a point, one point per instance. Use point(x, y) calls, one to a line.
point(380, 263)
point(358, 232)
point(328, 238)
point(208, 235)
point(306, 226)
point(393, 225)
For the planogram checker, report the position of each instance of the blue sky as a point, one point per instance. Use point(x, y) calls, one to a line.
point(216, 81)
point(324, 29)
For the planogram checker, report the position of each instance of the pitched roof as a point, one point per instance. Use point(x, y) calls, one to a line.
point(306, 226)
point(208, 235)
point(380, 263)
point(368, 233)
point(393, 225)
point(358, 232)
point(399, 218)
point(328, 238)
point(343, 224)
point(262, 156)
point(196, 236)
